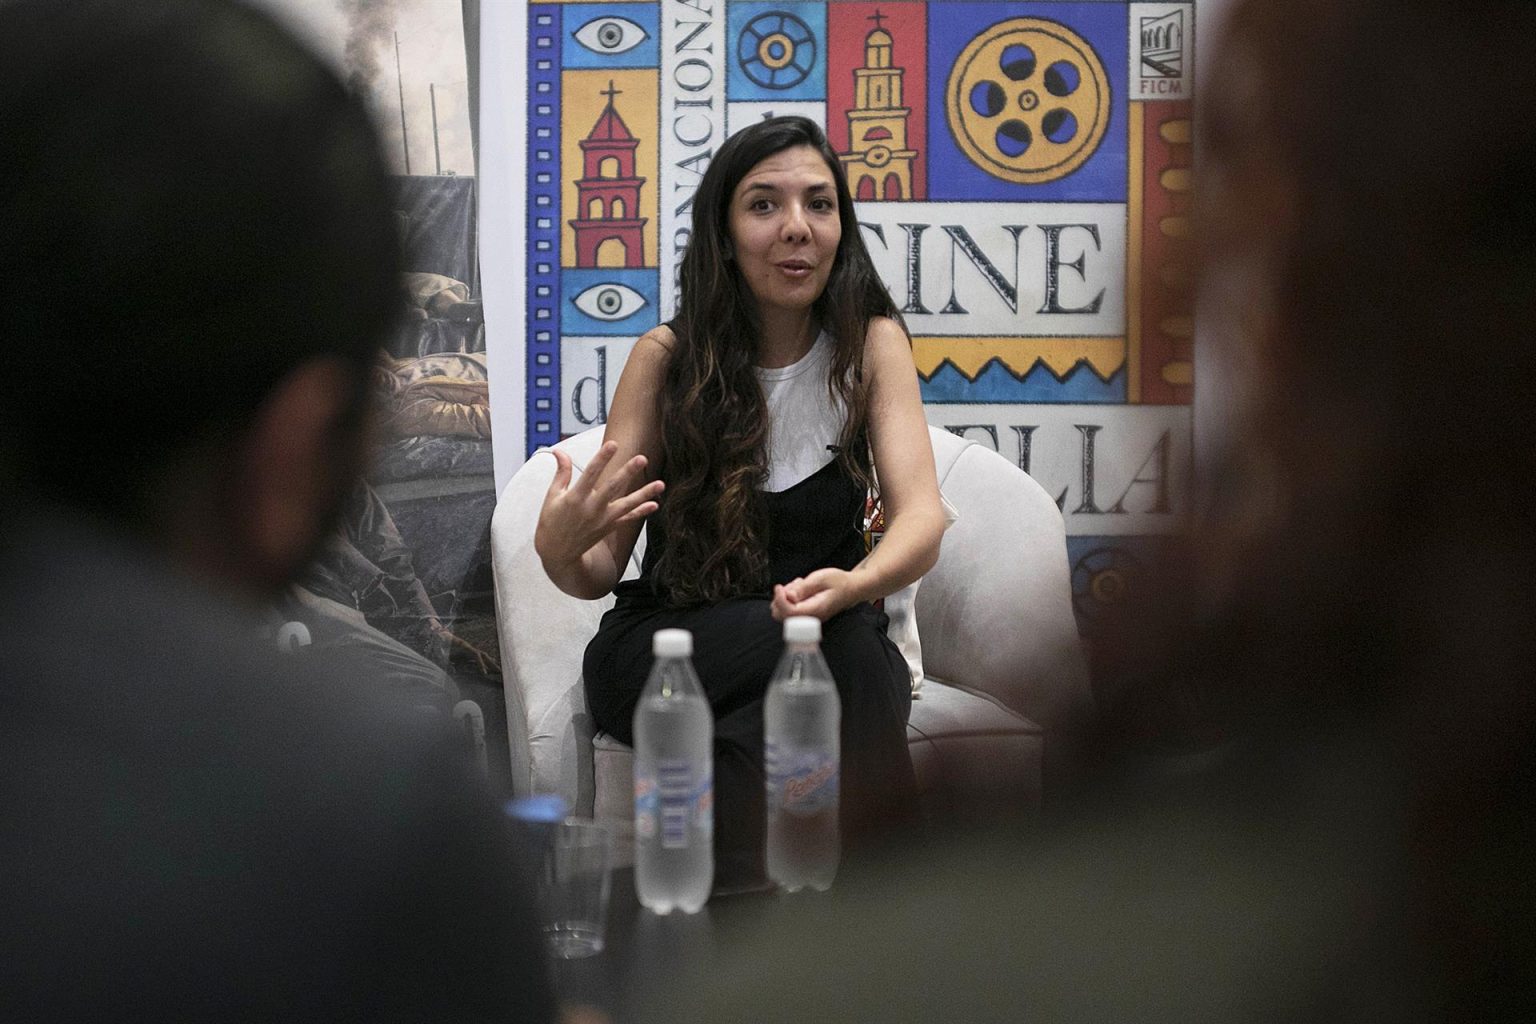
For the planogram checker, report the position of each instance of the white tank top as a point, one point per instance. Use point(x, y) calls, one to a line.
point(804, 420)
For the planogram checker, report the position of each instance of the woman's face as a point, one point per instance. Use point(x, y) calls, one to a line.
point(785, 228)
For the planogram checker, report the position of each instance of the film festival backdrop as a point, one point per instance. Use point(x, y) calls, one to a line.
point(1022, 173)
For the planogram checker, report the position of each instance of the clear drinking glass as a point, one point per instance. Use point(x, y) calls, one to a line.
point(574, 881)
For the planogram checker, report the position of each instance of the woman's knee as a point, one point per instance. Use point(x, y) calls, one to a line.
point(869, 671)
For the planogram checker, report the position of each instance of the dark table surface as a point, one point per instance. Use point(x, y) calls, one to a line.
point(645, 951)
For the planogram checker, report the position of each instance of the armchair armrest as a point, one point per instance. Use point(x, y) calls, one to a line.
point(544, 633)
point(995, 613)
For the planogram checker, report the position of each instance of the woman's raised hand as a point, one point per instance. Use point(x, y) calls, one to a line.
point(576, 516)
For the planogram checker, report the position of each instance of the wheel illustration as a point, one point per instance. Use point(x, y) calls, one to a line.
point(1101, 579)
point(776, 50)
point(1028, 101)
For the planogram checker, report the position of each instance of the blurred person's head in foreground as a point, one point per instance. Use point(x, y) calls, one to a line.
point(1362, 559)
point(1369, 300)
point(1333, 673)
point(199, 259)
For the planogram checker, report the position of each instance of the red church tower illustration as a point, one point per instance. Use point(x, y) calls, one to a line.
point(877, 124)
point(608, 232)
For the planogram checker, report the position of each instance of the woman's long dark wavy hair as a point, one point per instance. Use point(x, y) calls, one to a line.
point(713, 418)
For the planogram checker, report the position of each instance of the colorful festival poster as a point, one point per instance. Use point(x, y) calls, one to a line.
point(1022, 180)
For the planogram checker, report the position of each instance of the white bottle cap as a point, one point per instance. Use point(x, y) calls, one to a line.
point(802, 629)
point(672, 643)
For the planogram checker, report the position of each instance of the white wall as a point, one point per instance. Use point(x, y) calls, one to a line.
point(503, 234)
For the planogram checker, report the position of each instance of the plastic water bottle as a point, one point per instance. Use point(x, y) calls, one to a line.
point(674, 781)
point(801, 758)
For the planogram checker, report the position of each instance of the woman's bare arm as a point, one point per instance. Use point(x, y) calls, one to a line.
point(909, 489)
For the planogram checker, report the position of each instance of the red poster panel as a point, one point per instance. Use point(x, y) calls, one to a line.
point(861, 37)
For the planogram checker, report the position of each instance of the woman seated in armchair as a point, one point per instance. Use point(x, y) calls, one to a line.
point(754, 424)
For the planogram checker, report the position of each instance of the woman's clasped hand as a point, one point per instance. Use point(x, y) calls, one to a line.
point(822, 593)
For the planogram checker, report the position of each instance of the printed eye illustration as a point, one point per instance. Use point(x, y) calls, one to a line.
point(609, 301)
point(610, 35)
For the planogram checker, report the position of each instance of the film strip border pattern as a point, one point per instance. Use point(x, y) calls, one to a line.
point(543, 255)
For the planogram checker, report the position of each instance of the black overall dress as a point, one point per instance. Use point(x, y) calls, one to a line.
point(737, 643)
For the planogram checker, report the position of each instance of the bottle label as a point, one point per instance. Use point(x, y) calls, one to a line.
point(704, 805)
point(684, 801)
point(801, 781)
point(646, 806)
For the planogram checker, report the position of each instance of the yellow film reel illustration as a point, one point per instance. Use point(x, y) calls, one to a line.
point(1028, 100)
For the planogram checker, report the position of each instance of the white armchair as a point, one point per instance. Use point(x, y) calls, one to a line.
point(1003, 665)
